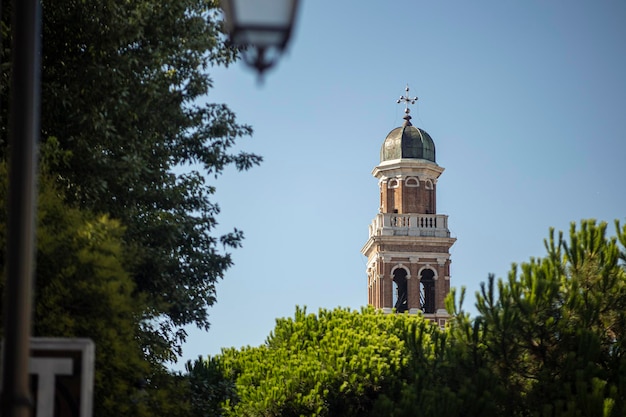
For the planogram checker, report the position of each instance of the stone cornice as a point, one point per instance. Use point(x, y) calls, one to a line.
point(412, 240)
point(408, 167)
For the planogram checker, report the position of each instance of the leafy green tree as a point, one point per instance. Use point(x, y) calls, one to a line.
point(335, 363)
point(127, 253)
point(123, 85)
point(548, 342)
point(83, 290)
point(209, 386)
point(553, 333)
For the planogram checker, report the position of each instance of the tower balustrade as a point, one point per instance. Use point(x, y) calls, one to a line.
point(425, 225)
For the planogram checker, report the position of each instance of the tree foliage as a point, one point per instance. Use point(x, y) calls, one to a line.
point(547, 341)
point(553, 333)
point(337, 362)
point(83, 290)
point(127, 250)
point(128, 133)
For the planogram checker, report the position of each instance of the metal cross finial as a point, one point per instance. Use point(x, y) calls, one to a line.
point(406, 99)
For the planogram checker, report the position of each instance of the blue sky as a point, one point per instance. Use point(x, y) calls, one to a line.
point(525, 103)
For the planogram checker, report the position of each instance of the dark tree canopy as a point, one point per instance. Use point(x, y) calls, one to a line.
point(123, 119)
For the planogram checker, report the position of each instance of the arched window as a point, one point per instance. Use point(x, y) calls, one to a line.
point(427, 291)
point(393, 183)
point(400, 295)
point(412, 182)
point(428, 184)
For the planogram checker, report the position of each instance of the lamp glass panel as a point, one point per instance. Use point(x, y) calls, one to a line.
point(260, 38)
point(273, 13)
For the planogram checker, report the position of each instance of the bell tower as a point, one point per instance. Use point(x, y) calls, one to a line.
point(408, 249)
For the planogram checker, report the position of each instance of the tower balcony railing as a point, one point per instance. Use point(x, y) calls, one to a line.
point(394, 224)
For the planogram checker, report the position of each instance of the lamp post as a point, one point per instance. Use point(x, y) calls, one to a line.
point(262, 29)
point(16, 398)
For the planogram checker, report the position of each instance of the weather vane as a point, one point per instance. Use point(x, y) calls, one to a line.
point(406, 100)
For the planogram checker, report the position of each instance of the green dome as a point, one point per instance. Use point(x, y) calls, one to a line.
point(408, 142)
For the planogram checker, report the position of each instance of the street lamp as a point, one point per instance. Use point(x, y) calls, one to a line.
point(261, 27)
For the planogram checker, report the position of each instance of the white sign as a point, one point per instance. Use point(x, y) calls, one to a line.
point(62, 376)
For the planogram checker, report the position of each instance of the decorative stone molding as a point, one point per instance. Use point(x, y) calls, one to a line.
point(413, 167)
point(427, 266)
point(401, 266)
point(413, 182)
point(385, 257)
point(393, 183)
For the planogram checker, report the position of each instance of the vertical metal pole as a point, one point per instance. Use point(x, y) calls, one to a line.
point(23, 138)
